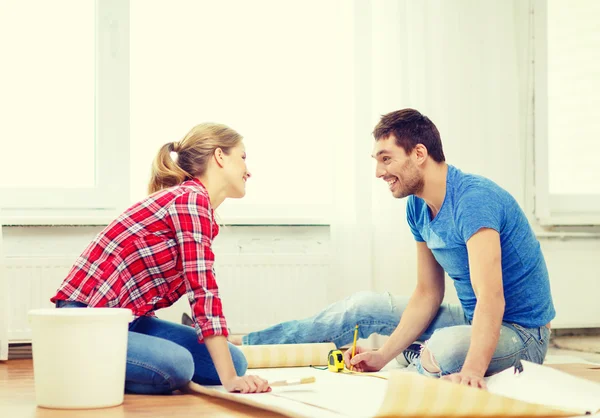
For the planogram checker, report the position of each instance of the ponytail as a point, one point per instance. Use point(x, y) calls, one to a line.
point(166, 172)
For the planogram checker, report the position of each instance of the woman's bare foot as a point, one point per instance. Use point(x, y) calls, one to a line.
point(235, 339)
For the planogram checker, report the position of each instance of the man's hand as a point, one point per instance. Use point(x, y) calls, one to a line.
point(466, 377)
point(247, 384)
point(364, 360)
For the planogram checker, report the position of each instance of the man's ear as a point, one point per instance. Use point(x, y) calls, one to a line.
point(218, 156)
point(420, 153)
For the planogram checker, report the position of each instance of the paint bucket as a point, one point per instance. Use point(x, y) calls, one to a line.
point(79, 356)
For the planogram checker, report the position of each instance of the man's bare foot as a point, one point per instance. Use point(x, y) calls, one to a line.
point(235, 339)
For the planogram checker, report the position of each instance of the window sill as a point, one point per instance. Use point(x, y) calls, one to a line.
point(103, 218)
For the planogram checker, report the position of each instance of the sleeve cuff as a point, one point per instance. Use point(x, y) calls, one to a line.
point(472, 230)
point(214, 327)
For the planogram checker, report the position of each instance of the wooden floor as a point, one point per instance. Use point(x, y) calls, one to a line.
point(17, 396)
point(587, 343)
point(17, 400)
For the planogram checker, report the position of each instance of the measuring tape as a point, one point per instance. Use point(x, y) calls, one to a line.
point(335, 361)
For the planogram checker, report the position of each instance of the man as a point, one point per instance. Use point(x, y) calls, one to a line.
point(466, 226)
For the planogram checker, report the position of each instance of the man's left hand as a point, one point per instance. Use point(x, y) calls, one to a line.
point(464, 377)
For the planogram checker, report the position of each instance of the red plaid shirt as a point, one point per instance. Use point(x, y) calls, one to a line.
point(150, 256)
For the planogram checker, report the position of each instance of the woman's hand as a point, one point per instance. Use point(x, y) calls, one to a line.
point(219, 352)
point(247, 384)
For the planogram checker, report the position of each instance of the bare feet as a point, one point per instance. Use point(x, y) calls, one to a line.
point(235, 339)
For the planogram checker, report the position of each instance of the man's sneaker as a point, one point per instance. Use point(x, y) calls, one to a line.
point(409, 355)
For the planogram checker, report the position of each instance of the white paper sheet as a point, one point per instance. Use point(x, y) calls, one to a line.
point(547, 386)
point(335, 394)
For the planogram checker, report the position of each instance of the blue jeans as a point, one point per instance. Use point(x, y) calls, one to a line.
point(447, 338)
point(163, 356)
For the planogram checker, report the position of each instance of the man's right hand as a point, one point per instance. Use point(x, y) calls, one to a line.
point(364, 360)
point(247, 384)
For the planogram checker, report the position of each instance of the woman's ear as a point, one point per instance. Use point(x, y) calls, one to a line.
point(218, 156)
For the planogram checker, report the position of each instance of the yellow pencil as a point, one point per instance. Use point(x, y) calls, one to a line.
point(354, 345)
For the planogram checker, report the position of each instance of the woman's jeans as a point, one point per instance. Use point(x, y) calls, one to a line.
point(163, 356)
point(447, 338)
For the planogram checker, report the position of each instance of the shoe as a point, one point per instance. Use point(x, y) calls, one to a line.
point(187, 320)
point(410, 354)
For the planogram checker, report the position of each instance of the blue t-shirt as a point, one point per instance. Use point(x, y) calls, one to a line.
point(472, 203)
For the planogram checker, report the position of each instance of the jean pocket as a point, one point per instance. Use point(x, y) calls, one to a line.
point(541, 335)
point(526, 334)
point(537, 352)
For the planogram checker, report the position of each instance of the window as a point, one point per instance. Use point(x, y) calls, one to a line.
point(280, 73)
point(65, 110)
point(567, 92)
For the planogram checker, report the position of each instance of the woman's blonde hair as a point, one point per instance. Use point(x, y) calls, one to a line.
point(193, 154)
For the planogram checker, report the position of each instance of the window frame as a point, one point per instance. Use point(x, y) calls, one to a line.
point(552, 209)
point(101, 203)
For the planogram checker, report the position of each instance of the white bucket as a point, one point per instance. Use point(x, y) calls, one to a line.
point(79, 356)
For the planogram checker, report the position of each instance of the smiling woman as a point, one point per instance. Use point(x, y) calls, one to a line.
point(159, 250)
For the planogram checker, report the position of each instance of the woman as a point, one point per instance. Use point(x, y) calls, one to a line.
point(159, 250)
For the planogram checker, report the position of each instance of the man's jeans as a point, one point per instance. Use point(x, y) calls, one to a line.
point(447, 337)
point(163, 356)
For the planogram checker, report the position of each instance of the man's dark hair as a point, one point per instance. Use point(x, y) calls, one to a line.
point(410, 128)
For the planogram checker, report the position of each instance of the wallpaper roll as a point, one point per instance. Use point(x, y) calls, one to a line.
point(287, 355)
point(413, 395)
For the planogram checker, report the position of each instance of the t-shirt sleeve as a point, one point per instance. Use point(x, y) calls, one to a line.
point(477, 209)
point(411, 217)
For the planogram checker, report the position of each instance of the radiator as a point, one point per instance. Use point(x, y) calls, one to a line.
point(29, 284)
point(257, 290)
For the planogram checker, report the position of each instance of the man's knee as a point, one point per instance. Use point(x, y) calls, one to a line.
point(446, 350)
point(369, 303)
point(429, 362)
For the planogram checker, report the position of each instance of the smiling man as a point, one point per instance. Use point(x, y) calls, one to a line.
point(466, 226)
